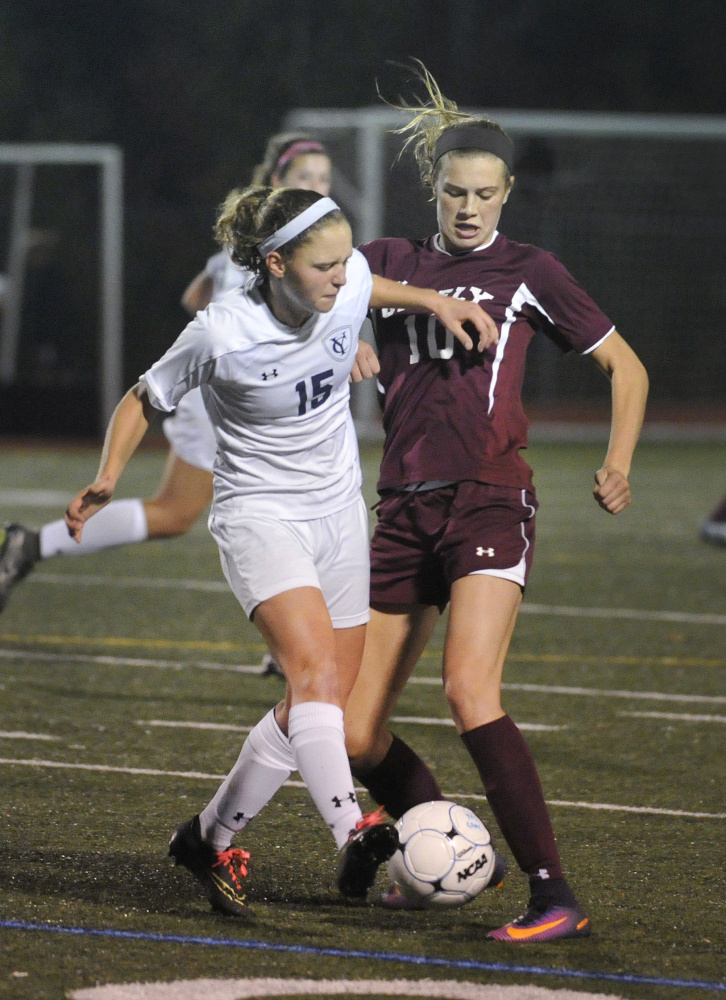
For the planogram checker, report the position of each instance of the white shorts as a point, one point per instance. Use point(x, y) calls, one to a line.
point(189, 431)
point(262, 557)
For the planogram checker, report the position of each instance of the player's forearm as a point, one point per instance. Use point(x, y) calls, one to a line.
point(394, 295)
point(127, 427)
point(629, 382)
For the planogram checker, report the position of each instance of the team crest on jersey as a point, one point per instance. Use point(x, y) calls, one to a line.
point(338, 343)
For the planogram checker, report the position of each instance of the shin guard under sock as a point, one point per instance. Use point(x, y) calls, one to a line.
point(400, 781)
point(514, 792)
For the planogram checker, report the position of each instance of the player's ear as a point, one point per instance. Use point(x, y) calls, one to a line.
point(275, 264)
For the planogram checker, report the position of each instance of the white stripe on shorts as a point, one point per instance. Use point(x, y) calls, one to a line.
point(517, 574)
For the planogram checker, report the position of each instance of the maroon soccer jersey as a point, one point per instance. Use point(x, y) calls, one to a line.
point(453, 414)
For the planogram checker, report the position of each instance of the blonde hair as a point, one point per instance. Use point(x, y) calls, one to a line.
point(247, 217)
point(430, 120)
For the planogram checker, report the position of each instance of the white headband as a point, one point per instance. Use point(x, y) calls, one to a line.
point(297, 225)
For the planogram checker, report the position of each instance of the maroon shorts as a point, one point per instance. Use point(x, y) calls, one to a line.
point(425, 540)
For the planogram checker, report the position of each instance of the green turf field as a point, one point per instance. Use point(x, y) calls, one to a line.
point(619, 657)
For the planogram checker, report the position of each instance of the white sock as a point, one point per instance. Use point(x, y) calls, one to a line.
point(318, 743)
point(122, 522)
point(264, 763)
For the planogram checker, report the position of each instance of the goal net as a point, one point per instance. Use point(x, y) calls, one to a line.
point(61, 350)
point(633, 205)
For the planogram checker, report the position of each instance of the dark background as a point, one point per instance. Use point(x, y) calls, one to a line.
point(190, 91)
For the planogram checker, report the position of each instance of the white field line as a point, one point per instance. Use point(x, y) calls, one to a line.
point(127, 661)
point(168, 724)
point(199, 775)
point(4, 735)
point(685, 617)
point(709, 699)
point(35, 498)
point(423, 721)
point(152, 583)
point(217, 586)
point(246, 989)
point(415, 719)
point(123, 661)
point(675, 717)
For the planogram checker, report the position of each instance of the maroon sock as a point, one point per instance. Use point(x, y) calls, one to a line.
point(513, 789)
point(400, 781)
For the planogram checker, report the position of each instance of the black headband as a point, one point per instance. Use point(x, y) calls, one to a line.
point(489, 140)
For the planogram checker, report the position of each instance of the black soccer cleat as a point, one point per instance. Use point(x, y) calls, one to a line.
point(220, 872)
point(369, 845)
point(19, 552)
point(499, 873)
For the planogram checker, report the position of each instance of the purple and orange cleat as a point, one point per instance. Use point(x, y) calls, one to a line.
point(544, 921)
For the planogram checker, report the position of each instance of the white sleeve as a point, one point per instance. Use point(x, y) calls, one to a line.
point(189, 362)
point(225, 274)
point(360, 280)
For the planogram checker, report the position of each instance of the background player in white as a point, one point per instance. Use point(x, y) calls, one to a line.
point(273, 360)
point(292, 159)
point(713, 529)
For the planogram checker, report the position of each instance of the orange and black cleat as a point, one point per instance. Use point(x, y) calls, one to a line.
point(220, 872)
point(370, 844)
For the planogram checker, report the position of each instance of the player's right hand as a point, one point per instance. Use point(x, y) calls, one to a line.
point(86, 504)
point(366, 363)
point(458, 314)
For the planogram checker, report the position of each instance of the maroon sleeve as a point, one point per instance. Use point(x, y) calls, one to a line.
point(374, 252)
point(562, 309)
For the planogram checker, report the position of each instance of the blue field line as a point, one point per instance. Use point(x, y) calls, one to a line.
point(385, 956)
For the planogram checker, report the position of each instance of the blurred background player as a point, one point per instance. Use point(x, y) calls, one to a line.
point(713, 529)
point(273, 360)
point(292, 159)
point(456, 516)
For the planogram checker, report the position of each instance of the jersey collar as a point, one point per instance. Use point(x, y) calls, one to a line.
point(484, 246)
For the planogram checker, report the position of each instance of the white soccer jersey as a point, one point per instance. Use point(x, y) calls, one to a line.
point(278, 398)
point(225, 274)
point(188, 430)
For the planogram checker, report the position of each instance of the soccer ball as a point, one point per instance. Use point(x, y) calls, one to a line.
point(446, 856)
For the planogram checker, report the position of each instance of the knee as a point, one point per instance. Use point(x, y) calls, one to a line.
point(472, 702)
point(456, 691)
point(167, 520)
point(312, 678)
point(365, 745)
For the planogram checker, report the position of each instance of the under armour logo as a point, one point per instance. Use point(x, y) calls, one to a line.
point(543, 873)
point(485, 552)
point(238, 816)
point(272, 374)
point(350, 797)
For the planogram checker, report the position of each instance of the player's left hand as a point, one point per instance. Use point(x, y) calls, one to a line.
point(366, 363)
point(457, 314)
point(86, 504)
point(612, 490)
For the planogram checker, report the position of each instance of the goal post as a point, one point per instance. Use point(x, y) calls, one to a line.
point(26, 158)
